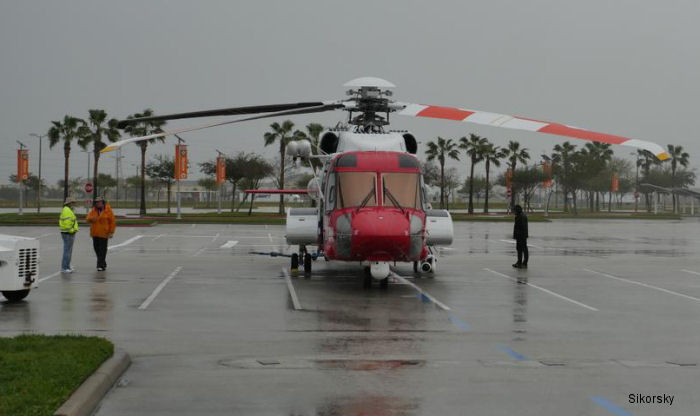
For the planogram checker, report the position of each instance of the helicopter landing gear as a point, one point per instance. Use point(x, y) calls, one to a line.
point(307, 263)
point(415, 267)
point(367, 281)
point(295, 262)
point(384, 283)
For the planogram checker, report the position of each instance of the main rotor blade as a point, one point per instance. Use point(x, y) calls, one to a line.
point(317, 109)
point(257, 109)
point(521, 123)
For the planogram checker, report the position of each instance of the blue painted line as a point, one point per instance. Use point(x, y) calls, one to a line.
point(603, 402)
point(465, 326)
point(513, 354)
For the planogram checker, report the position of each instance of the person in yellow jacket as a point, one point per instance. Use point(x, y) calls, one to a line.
point(102, 225)
point(69, 227)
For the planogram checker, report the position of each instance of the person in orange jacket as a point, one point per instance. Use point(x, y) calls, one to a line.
point(102, 225)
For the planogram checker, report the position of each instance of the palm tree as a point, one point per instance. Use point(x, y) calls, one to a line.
point(93, 132)
point(439, 150)
point(473, 147)
point(492, 155)
point(515, 154)
point(596, 156)
point(645, 160)
point(314, 131)
point(139, 129)
point(677, 156)
point(283, 133)
point(66, 131)
point(562, 165)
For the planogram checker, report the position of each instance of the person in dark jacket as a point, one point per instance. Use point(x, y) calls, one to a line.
point(520, 237)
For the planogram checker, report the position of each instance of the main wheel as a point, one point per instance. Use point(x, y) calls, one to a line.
point(415, 267)
point(384, 283)
point(367, 282)
point(307, 263)
point(295, 261)
point(15, 295)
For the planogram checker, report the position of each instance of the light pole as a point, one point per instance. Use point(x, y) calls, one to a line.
point(38, 193)
point(636, 186)
point(20, 182)
point(180, 140)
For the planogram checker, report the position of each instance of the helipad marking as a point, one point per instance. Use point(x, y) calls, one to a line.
point(292, 292)
point(215, 237)
point(125, 243)
point(575, 302)
point(43, 279)
point(604, 403)
point(200, 251)
point(421, 292)
point(660, 289)
point(690, 271)
point(158, 288)
point(158, 236)
point(229, 244)
point(269, 235)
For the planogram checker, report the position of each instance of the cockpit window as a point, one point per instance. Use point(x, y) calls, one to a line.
point(401, 190)
point(357, 189)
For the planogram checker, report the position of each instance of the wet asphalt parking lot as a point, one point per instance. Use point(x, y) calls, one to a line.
point(607, 309)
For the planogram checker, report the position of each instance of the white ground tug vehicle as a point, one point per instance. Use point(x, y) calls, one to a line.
point(19, 266)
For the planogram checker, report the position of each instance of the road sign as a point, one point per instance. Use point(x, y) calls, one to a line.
point(88, 188)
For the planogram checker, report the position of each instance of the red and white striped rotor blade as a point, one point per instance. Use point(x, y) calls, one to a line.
point(527, 124)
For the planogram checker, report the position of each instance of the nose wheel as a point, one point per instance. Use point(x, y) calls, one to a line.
point(304, 257)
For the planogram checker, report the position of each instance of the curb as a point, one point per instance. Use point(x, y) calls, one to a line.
point(85, 399)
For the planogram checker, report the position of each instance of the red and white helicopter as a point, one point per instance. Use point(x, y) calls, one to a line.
point(371, 201)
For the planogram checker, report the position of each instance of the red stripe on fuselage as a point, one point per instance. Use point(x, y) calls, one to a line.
point(562, 130)
point(449, 113)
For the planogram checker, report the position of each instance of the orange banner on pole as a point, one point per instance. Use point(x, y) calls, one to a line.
point(22, 165)
point(180, 162)
point(220, 170)
point(615, 183)
point(547, 174)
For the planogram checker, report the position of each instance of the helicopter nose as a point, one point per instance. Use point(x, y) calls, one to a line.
point(380, 235)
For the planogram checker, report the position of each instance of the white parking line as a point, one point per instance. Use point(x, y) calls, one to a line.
point(269, 235)
point(660, 289)
point(292, 292)
point(43, 279)
point(158, 288)
point(513, 242)
point(229, 244)
point(575, 302)
point(215, 237)
point(158, 236)
point(690, 271)
point(200, 251)
point(421, 291)
point(125, 243)
point(44, 235)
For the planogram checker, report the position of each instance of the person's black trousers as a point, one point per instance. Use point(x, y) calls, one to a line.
point(521, 247)
point(100, 246)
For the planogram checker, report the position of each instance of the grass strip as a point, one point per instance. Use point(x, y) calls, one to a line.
point(38, 372)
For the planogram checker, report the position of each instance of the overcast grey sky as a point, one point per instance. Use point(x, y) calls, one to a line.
point(624, 67)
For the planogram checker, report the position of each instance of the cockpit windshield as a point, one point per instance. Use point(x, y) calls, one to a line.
point(401, 190)
point(357, 189)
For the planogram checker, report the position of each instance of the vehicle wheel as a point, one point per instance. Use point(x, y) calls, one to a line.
point(15, 295)
point(367, 282)
point(415, 267)
point(295, 261)
point(384, 283)
point(307, 263)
